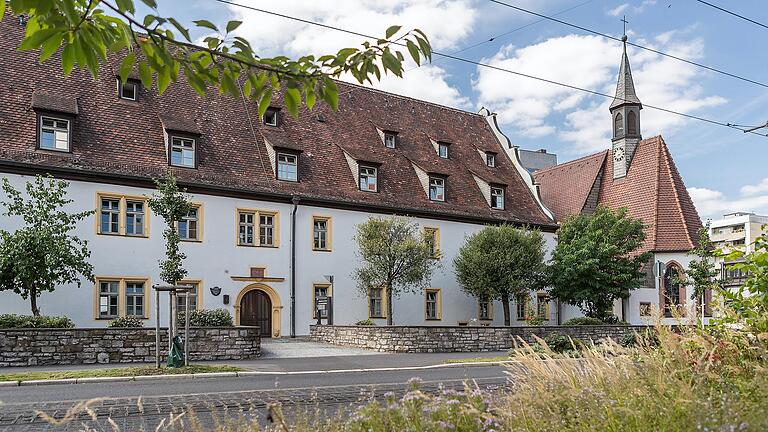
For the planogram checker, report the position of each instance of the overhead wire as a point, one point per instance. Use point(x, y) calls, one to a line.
point(493, 67)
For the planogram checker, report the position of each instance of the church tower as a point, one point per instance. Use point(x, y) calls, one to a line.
point(625, 114)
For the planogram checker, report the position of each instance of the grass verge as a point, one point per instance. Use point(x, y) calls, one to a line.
point(117, 372)
point(479, 360)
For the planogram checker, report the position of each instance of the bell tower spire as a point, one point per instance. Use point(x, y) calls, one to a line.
point(625, 115)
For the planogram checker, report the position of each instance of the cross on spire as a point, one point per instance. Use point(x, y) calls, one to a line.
point(624, 20)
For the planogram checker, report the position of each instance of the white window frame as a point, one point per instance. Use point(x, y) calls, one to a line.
point(182, 140)
point(109, 295)
point(285, 162)
point(390, 138)
point(433, 183)
point(364, 172)
point(267, 229)
point(186, 220)
point(121, 86)
point(55, 129)
point(490, 159)
point(139, 217)
point(114, 215)
point(131, 299)
point(497, 193)
point(444, 146)
point(275, 120)
point(242, 228)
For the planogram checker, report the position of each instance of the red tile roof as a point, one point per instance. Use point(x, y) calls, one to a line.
point(652, 191)
point(114, 138)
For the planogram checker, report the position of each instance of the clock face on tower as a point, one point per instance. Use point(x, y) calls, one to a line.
point(618, 154)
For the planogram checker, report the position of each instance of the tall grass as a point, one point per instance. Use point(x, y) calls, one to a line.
point(688, 381)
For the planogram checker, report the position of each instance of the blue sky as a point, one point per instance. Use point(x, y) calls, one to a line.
point(724, 169)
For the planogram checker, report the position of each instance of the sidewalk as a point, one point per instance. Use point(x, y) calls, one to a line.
point(368, 360)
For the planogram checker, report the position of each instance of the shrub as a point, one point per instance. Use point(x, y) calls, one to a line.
point(583, 321)
point(366, 322)
point(563, 344)
point(28, 321)
point(206, 318)
point(128, 321)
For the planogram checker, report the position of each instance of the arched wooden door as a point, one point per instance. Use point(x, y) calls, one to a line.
point(256, 310)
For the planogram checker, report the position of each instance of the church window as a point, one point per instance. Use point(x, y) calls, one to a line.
point(631, 123)
point(672, 296)
point(618, 126)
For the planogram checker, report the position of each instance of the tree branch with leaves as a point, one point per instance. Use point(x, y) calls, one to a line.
point(85, 32)
point(171, 204)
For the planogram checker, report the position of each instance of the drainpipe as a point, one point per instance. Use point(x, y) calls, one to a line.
point(295, 200)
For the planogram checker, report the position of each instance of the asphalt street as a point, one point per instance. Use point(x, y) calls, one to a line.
point(143, 404)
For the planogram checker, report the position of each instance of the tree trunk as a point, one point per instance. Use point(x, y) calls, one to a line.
point(33, 302)
point(389, 306)
point(505, 304)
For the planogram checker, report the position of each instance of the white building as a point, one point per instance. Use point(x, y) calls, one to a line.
point(737, 230)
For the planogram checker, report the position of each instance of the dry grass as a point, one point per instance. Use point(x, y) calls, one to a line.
point(693, 381)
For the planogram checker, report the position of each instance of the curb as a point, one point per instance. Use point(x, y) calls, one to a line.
point(243, 374)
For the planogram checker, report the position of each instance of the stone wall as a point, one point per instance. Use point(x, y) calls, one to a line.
point(420, 339)
point(29, 347)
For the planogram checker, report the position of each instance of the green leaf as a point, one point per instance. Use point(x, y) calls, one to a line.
point(126, 6)
point(126, 66)
point(68, 59)
point(392, 30)
point(206, 24)
point(425, 47)
point(37, 38)
point(233, 25)
point(163, 79)
point(49, 47)
point(390, 62)
point(292, 100)
point(310, 99)
point(145, 74)
point(264, 101)
point(180, 28)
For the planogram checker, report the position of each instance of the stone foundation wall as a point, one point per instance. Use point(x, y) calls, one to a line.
point(421, 339)
point(29, 347)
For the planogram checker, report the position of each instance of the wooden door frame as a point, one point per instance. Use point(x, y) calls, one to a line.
point(273, 297)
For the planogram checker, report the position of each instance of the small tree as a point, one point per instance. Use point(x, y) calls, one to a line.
point(172, 205)
point(42, 254)
point(701, 273)
point(501, 263)
point(395, 257)
point(595, 261)
point(748, 305)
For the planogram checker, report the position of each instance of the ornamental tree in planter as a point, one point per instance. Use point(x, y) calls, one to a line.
point(395, 258)
point(501, 263)
point(42, 253)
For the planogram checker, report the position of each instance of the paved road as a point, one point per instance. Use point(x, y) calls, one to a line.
point(215, 397)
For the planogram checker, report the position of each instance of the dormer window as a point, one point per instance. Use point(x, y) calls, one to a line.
point(436, 189)
point(287, 167)
point(183, 152)
point(442, 150)
point(390, 138)
point(369, 178)
point(271, 117)
point(54, 133)
point(490, 159)
point(127, 90)
point(497, 198)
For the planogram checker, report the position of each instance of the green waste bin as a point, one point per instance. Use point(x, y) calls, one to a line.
point(176, 356)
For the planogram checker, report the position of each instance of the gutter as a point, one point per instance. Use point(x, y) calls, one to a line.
point(295, 200)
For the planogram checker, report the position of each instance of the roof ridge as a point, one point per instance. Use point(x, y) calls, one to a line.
point(544, 170)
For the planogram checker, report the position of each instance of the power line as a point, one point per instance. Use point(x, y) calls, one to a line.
point(732, 13)
point(607, 36)
point(492, 67)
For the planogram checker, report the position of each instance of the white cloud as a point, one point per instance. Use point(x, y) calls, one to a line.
point(591, 62)
point(761, 187)
point(713, 204)
point(618, 9)
point(446, 22)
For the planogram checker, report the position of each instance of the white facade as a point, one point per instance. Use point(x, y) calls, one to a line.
point(217, 261)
